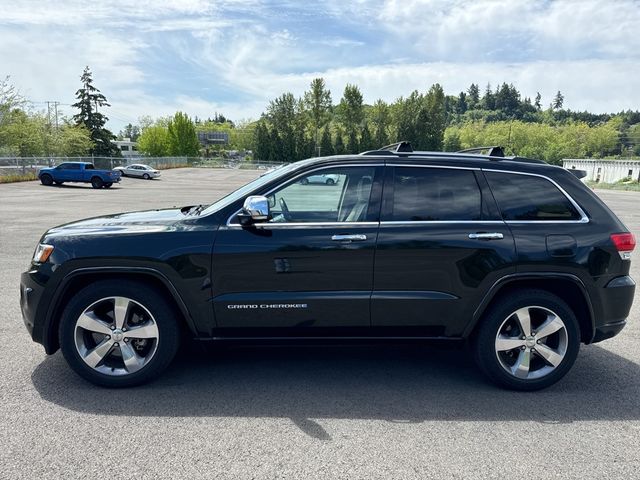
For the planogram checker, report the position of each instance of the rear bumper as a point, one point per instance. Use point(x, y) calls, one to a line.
point(617, 298)
point(608, 330)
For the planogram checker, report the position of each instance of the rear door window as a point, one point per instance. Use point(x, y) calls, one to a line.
point(434, 194)
point(527, 197)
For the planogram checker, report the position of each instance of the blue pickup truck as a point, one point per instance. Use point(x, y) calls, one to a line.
point(82, 172)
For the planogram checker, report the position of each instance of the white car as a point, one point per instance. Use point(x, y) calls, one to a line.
point(139, 170)
point(328, 179)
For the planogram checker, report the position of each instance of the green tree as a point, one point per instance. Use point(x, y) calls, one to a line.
point(182, 137)
point(262, 142)
point(276, 150)
point(366, 142)
point(473, 96)
point(326, 147)
point(352, 113)
point(461, 103)
point(434, 101)
point(381, 121)
point(339, 147)
point(538, 101)
point(488, 100)
point(73, 140)
point(318, 103)
point(558, 100)
point(154, 141)
point(24, 135)
point(89, 100)
point(129, 131)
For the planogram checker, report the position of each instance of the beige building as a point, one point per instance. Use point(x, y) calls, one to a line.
point(605, 171)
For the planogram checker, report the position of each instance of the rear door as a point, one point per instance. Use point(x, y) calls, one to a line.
point(308, 269)
point(441, 246)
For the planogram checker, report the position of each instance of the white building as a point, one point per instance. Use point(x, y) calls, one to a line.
point(605, 171)
point(127, 147)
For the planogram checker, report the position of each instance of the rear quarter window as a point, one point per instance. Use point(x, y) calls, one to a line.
point(527, 197)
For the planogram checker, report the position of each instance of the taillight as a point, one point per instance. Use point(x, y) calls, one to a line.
point(624, 243)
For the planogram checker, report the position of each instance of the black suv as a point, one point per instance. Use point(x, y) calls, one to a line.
point(515, 256)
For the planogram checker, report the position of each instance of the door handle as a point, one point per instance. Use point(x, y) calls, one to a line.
point(349, 238)
point(486, 236)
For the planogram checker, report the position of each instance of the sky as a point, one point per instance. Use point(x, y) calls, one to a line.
point(232, 57)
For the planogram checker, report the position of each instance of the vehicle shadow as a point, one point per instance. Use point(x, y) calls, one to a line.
point(393, 383)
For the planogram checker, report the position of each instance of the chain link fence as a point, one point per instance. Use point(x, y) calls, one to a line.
point(16, 166)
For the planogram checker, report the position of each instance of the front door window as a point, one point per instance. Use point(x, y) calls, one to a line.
point(329, 195)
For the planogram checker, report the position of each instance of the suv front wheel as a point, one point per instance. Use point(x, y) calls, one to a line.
point(118, 333)
point(527, 341)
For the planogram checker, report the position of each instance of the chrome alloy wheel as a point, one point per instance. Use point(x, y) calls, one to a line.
point(531, 342)
point(116, 336)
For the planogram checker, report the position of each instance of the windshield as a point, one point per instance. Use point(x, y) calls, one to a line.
point(251, 186)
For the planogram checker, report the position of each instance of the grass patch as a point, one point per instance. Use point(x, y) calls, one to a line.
point(625, 186)
point(18, 177)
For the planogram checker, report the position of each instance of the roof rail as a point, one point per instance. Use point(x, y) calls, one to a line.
point(493, 151)
point(394, 148)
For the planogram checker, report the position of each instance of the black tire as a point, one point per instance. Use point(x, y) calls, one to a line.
point(58, 183)
point(494, 363)
point(146, 176)
point(304, 181)
point(330, 181)
point(108, 185)
point(163, 313)
point(96, 182)
point(46, 179)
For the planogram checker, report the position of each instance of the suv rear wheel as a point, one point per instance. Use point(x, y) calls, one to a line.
point(527, 341)
point(118, 333)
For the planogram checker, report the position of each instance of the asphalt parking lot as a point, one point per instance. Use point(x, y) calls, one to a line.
point(321, 412)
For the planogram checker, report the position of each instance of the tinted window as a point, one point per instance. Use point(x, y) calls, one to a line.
point(435, 194)
point(524, 197)
point(328, 195)
point(73, 166)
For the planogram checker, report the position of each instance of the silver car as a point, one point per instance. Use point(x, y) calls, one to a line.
point(139, 170)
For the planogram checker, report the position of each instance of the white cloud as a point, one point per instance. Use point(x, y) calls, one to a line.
point(152, 58)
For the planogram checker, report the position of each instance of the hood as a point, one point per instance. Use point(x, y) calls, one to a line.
point(124, 223)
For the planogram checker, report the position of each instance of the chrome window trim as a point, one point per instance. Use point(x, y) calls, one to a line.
point(312, 224)
point(440, 222)
point(583, 216)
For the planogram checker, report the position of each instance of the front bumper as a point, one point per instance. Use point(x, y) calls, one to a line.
point(31, 292)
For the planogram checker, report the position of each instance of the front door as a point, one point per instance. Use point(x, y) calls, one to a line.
point(309, 268)
point(441, 246)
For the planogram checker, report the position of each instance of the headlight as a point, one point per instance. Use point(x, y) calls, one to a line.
point(42, 253)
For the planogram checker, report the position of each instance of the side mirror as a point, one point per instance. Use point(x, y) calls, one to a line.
point(254, 210)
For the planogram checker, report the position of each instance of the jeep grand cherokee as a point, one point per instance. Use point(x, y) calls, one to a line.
point(516, 257)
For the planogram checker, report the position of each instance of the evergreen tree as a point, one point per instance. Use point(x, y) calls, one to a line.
point(326, 147)
point(558, 101)
point(318, 103)
point(275, 147)
point(488, 100)
point(130, 131)
point(89, 99)
point(538, 101)
point(366, 142)
point(339, 143)
point(352, 143)
point(461, 105)
point(262, 142)
point(473, 97)
point(182, 136)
